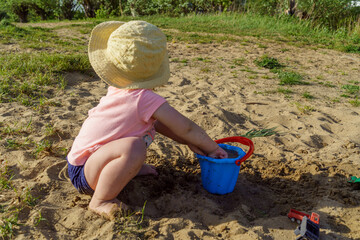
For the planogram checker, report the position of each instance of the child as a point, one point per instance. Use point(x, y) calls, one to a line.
point(110, 148)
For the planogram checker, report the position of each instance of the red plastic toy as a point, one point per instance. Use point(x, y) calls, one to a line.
point(297, 216)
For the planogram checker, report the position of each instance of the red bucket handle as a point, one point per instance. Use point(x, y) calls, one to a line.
point(242, 140)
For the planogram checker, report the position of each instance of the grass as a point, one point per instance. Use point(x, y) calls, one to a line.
point(351, 89)
point(355, 102)
point(127, 223)
point(9, 213)
point(40, 71)
point(284, 90)
point(261, 133)
point(5, 176)
point(268, 62)
point(16, 136)
point(291, 78)
point(38, 219)
point(290, 30)
point(305, 109)
point(286, 77)
point(7, 226)
point(307, 95)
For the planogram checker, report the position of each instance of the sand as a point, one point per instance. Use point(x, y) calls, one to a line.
point(305, 166)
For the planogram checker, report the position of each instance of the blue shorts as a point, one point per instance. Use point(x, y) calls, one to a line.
point(77, 177)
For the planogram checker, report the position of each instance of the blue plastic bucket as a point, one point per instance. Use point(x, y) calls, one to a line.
point(219, 176)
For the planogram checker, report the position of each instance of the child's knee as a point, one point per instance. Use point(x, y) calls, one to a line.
point(138, 149)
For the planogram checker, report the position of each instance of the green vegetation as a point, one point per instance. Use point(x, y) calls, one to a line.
point(40, 70)
point(5, 176)
point(128, 222)
point(305, 109)
point(291, 78)
point(351, 89)
point(307, 95)
point(284, 90)
point(23, 198)
point(268, 62)
point(355, 102)
point(16, 137)
point(261, 133)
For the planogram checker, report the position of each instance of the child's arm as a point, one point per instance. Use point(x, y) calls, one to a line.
point(161, 128)
point(173, 124)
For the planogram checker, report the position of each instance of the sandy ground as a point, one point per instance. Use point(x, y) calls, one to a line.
point(305, 166)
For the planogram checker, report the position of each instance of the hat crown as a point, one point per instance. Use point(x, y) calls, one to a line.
point(137, 48)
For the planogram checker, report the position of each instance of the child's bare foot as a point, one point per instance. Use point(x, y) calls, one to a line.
point(108, 209)
point(147, 169)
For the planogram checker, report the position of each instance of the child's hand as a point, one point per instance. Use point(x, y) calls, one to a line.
point(218, 153)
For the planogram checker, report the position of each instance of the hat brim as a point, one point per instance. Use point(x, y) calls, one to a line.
point(112, 75)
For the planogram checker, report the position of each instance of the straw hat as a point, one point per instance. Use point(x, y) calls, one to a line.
point(129, 55)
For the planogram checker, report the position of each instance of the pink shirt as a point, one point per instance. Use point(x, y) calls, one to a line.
point(121, 113)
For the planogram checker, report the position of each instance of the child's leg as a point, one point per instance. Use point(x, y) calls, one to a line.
point(110, 168)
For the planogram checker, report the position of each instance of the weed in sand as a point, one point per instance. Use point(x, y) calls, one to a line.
point(307, 95)
point(234, 74)
point(7, 225)
point(26, 76)
point(62, 82)
point(284, 90)
point(355, 102)
point(329, 84)
point(126, 223)
point(12, 144)
point(27, 198)
point(305, 109)
point(238, 61)
point(351, 89)
point(268, 62)
point(267, 77)
point(15, 129)
point(183, 61)
point(343, 73)
point(291, 78)
point(345, 96)
point(202, 59)
point(9, 218)
point(335, 100)
point(247, 69)
point(261, 133)
point(205, 69)
point(49, 129)
point(354, 82)
point(5, 176)
point(43, 146)
point(38, 219)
